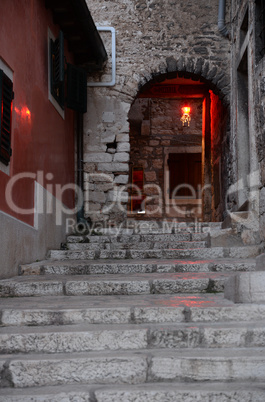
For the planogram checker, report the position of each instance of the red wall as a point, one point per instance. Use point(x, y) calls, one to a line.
point(41, 139)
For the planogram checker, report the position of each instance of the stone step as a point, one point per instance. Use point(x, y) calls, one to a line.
point(183, 392)
point(134, 238)
point(181, 308)
point(156, 392)
point(200, 253)
point(215, 237)
point(128, 367)
point(146, 245)
point(151, 283)
point(86, 267)
point(85, 338)
point(156, 227)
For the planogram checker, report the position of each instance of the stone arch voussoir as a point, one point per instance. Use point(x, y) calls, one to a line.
point(190, 67)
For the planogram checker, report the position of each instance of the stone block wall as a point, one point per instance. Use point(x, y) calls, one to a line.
point(154, 40)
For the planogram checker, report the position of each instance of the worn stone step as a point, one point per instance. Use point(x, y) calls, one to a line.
point(64, 310)
point(128, 367)
point(200, 253)
point(208, 365)
point(44, 285)
point(85, 338)
point(70, 339)
point(133, 238)
point(156, 227)
point(86, 368)
point(183, 392)
point(156, 392)
point(146, 245)
point(88, 267)
point(215, 237)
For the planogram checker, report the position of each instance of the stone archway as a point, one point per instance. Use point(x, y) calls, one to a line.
point(217, 79)
point(107, 141)
point(214, 102)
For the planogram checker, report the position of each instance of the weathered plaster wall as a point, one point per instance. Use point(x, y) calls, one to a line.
point(42, 141)
point(22, 243)
point(154, 38)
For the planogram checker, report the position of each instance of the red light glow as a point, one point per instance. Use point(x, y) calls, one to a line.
point(186, 110)
point(24, 113)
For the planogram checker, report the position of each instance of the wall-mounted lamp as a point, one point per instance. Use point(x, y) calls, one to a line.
point(185, 118)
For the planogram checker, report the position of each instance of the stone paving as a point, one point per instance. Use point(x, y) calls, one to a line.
point(126, 330)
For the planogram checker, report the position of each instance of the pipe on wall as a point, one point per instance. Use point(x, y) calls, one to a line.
point(80, 171)
point(221, 19)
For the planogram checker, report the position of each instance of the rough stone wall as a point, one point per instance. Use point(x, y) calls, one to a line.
point(152, 38)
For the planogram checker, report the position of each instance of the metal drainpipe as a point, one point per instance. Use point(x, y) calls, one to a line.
point(221, 19)
point(80, 171)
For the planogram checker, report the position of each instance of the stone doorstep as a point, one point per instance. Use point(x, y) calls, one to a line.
point(125, 267)
point(155, 392)
point(85, 338)
point(181, 308)
point(120, 367)
point(150, 283)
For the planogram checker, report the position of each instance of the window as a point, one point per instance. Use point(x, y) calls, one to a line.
point(6, 99)
point(57, 69)
point(76, 96)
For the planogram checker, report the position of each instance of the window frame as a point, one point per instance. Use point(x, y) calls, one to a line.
point(51, 98)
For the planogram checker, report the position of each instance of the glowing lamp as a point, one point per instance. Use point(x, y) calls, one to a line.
point(185, 118)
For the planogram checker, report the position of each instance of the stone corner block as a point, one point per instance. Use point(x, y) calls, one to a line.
point(123, 147)
point(246, 287)
point(260, 262)
point(113, 167)
point(98, 157)
point(121, 157)
point(123, 137)
point(121, 179)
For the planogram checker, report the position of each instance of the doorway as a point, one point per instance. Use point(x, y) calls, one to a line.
point(183, 182)
point(177, 162)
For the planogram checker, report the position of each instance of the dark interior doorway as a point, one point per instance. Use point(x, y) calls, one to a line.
point(185, 175)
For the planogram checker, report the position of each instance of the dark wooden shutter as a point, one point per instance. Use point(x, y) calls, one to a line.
point(76, 88)
point(57, 68)
point(6, 97)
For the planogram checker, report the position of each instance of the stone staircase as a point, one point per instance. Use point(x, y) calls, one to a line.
point(134, 315)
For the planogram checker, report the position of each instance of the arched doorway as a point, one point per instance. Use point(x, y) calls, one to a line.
point(176, 165)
